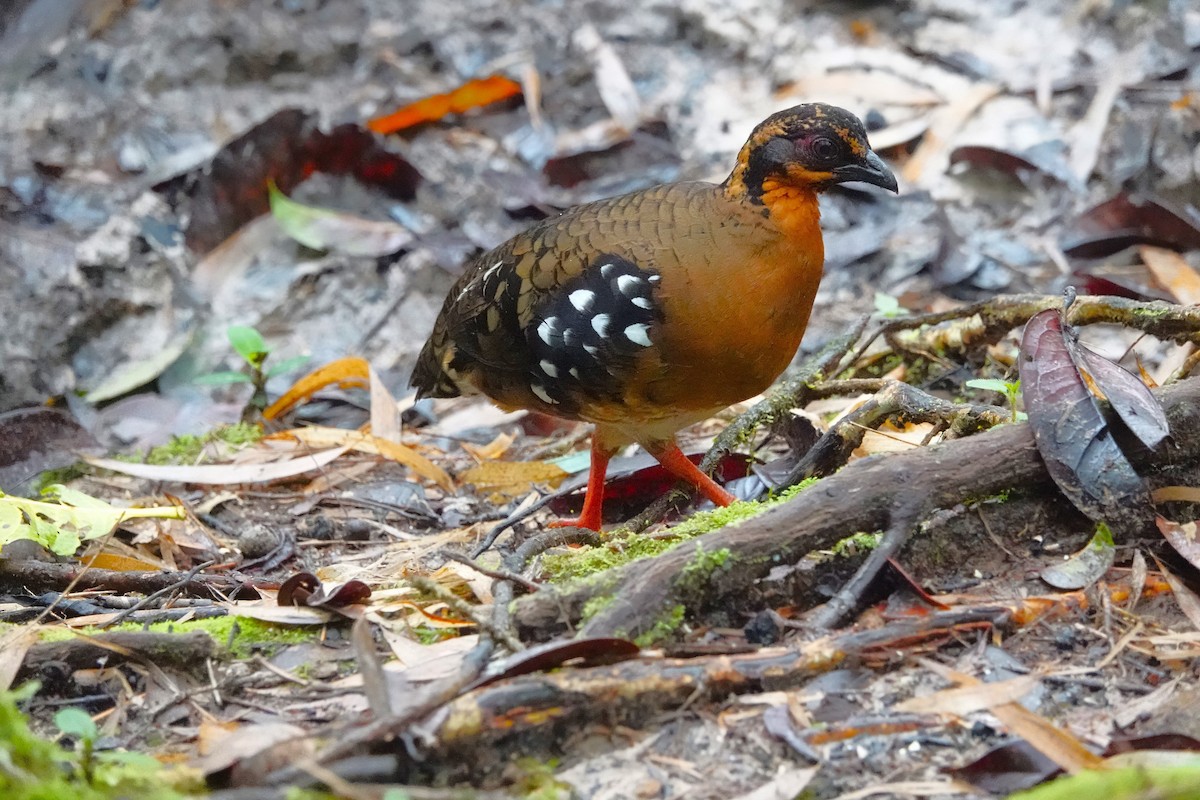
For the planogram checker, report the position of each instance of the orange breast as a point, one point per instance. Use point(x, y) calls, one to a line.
point(737, 306)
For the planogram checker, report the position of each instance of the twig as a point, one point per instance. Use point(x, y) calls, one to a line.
point(431, 587)
point(498, 574)
point(178, 585)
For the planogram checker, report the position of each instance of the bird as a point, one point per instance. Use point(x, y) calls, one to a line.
point(648, 312)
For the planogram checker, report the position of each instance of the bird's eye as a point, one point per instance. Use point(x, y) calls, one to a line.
point(823, 148)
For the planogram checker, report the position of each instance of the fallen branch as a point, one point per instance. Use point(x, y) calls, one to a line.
point(720, 569)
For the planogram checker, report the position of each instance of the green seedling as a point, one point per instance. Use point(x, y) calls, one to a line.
point(250, 345)
point(1010, 389)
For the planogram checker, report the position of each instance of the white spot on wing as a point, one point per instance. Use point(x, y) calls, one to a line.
point(548, 368)
point(574, 373)
point(600, 324)
point(541, 392)
point(642, 302)
point(606, 270)
point(639, 334)
point(591, 351)
point(628, 284)
point(546, 329)
point(582, 299)
point(655, 278)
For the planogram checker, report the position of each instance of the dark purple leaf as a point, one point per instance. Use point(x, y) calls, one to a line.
point(296, 590)
point(1072, 433)
point(1129, 397)
point(1125, 220)
point(285, 148)
point(1091, 283)
point(1007, 768)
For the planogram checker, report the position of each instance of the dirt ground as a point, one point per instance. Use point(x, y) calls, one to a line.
point(1037, 145)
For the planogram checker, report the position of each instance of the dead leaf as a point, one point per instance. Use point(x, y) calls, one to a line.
point(222, 474)
point(345, 373)
point(1188, 602)
point(963, 700)
point(472, 94)
point(319, 436)
point(1173, 272)
point(512, 478)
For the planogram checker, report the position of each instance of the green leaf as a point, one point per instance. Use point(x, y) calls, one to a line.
point(61, 527)
point(888, 306)
point(249, 344)
point(989, 385)
point(287, 365)
point(221, 378)
point(76, 723)
point(325, 229)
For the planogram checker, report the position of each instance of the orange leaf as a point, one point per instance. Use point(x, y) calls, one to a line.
point(345, 372)
point(472, 94)
point(119, 563)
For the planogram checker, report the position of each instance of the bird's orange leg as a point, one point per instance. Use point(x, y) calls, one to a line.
point(593, 500)
point(679, 465)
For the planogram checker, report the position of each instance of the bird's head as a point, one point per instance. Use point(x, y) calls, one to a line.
point(809, 146)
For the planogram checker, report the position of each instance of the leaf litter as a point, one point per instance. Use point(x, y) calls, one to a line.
point(995, 140)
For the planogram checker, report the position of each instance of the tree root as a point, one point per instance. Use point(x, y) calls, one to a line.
point(719, 570)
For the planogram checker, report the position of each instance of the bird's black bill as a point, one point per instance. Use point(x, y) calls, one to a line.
point(870, 170)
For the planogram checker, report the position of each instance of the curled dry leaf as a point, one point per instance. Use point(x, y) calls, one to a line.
point(1085, 567)
point(345, 373)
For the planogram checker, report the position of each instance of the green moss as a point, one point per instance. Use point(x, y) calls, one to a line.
point(626, 547)
point(856, 543)
point(188, 449)
point(537, 781)
point(33, 768)
point(594, 606)
point(241, 636)
point(55, 476)
point(665, 627)
point(702, 566)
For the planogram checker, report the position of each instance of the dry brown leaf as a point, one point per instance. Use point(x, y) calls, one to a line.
point(512, 478)
point(1056, 744)
point(319, 436)
point(385, 412)
point(1183, 494)
point(1188, 602)
point(14, 644)
point(963, 700)
point(932, 155)
point(492, 450)
point(1173, 272)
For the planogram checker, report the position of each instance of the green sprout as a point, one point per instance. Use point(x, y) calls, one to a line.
point(1010, 389)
